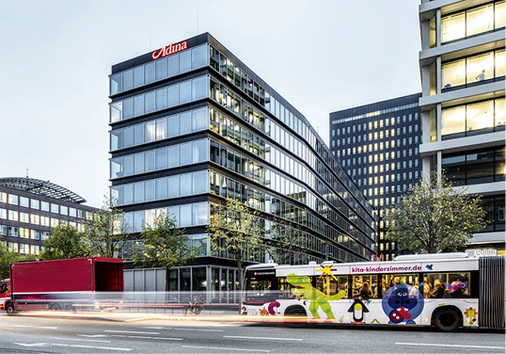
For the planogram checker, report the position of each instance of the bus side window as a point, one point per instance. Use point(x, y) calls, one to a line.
point(285, 289)
point(389, 280)
point(365, 286)
point(458, 285)
point(436, 284)
point(343, 285)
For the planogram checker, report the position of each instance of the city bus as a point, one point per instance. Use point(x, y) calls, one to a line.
point(447, 290)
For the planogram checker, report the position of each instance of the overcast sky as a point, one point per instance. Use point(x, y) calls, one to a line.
point(55, 58)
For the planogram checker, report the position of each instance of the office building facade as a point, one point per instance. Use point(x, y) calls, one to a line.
point(378, 146)
point(462, 64)
point(191, 125)
point(30, 208)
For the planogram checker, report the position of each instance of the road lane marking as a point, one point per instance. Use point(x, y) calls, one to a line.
point(143, 337)
point(129, 332)
point(198, 330)
point(268, 338)
point(452, 345)
point(23, 326)
point(222, 348)
point(72, 346)
point(103, 348)
point(32, 344)
point(154, 328)
point(93, 335)
point(81, 340)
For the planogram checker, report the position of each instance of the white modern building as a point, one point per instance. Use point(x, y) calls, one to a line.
point(462, 66)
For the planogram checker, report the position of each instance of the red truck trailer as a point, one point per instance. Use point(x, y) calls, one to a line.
point(64, 284)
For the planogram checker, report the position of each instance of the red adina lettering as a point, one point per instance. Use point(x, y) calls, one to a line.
point(169, 49)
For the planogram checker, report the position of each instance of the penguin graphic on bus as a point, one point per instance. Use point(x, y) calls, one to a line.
point(358, 308)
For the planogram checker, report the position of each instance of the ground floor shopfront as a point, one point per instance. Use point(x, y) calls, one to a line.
point(217, 283)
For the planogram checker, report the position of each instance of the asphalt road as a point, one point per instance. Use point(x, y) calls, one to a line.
point(22, 334)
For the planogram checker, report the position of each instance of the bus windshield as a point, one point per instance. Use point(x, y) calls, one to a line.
point(260, 285)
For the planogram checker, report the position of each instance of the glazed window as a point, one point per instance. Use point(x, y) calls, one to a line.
point(148, 102)
point(330, 286)
point(160, 69)
point(481, 67)
point(390, 280)
point(468, 23)
point(472, 119)
point(447, 285)
point(365, 286)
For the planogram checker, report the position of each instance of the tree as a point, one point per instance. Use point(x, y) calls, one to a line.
point(435, 217)
point(236, 229)
point(106, 231)
point(7, 257)
point(65, 242)
point(164, 245)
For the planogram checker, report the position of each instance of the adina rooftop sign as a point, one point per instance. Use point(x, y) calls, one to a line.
point(169, 49)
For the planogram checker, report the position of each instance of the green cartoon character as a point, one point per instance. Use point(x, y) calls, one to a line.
point(304, 290)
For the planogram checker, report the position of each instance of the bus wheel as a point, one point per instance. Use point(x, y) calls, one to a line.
point(55, 306)
point(10, 309)
point(296, 312)
point(447, 320)
point(69, 308)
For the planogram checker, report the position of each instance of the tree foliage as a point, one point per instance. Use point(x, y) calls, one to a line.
point(236, 230)
point(65, 242)
point(164, 245)
point(106, 231)
point(8, 256)
point(435, 217)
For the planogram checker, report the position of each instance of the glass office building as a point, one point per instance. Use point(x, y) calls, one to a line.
point(377, 145)
point(192, 125)
point(462, 65)
point(30, 208)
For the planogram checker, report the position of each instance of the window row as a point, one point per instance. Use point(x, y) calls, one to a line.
point(477, 68)
point(162, 188)
point(23, 248)
point(160, 99)
point(245, 83)
point(374, 286)
point(160, 129)
point(494, 208)
point(33, 219)
point(154, 160)
point(22, 232)
point(159, 69)
point(475, 118)
point(278, 182)
point(374, 114)
point(236, 162)
point(227, 187)
point(283, 137)
point(131, 248)
point(233, 102)
point(481, 166)
point(186, 215)
point(236, 133)
point(25, 202)
point(472, 21)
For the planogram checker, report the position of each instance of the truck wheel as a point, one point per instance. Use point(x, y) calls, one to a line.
point(10, 309)
point(447, 320)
